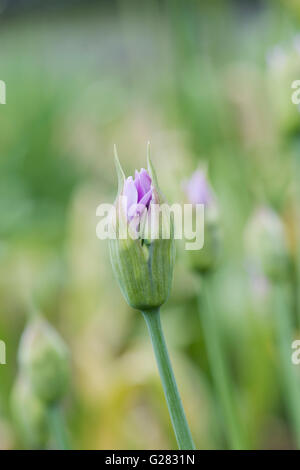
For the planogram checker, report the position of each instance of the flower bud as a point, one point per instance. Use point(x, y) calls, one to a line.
point(142, 251)
point(44, 359)
point(266, 244)
point(30, 414)
point(198, 191)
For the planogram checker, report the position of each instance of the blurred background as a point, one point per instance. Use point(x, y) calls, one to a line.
point(206, 82)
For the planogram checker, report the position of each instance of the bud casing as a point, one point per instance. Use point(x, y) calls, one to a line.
point(44, 359)
point(30, 414)
point(198, 191)
point(266, 244)
point(143, 264)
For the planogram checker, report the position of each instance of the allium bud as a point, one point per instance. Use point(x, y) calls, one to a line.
point(198, 191)
point(142, 251)
point(44, 359)
point(266, 244)
point(30, 414)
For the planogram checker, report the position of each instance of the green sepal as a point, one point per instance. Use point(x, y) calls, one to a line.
point(120, 172)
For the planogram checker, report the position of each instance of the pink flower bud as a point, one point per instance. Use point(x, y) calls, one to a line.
point(138, 193)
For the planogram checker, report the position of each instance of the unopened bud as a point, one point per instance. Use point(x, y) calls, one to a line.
point(198, 191)
point(266, 244)
point(30, 414)
point(142, 260)
point(44, 359)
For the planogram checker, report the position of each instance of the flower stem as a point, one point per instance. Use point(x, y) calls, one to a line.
point(180, 425)
point(220, 373)
point(57, 427)
point(290, 380)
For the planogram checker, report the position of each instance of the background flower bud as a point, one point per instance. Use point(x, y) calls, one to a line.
point(266, 244)
point(198, 191)
point(44, 358)
point(143, 266)
point(30, 414)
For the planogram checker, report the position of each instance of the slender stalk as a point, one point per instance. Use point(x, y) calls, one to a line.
point(290, 380)
point(220, 373)
point(179, 422)
point(57, 427)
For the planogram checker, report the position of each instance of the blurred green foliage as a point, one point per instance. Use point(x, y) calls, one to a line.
point(205, 82)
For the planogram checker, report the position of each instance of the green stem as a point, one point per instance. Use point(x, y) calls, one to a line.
point(290, 380)
point(57, 427)
point(220, 373)
point(180, 425)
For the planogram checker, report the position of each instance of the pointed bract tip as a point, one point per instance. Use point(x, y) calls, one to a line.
point(149, 163)
point(151, 169)
point(119, 170)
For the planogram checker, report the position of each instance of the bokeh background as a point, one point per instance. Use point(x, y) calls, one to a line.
point(206, 82)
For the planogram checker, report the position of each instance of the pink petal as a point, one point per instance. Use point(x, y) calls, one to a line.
point(146, 198)
point(130, 192)
point(145, 180)
point(136, 210)
point(197, 189)
point(138, 185)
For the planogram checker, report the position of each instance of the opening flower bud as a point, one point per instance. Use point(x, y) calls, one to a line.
point(198, 191)
point(266, 244)
point(44, 359)
point(142, 249)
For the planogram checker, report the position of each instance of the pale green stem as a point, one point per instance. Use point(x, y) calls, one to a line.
point(179, 422)
point(290, 379)
point(217, 362)
point(57, 427)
